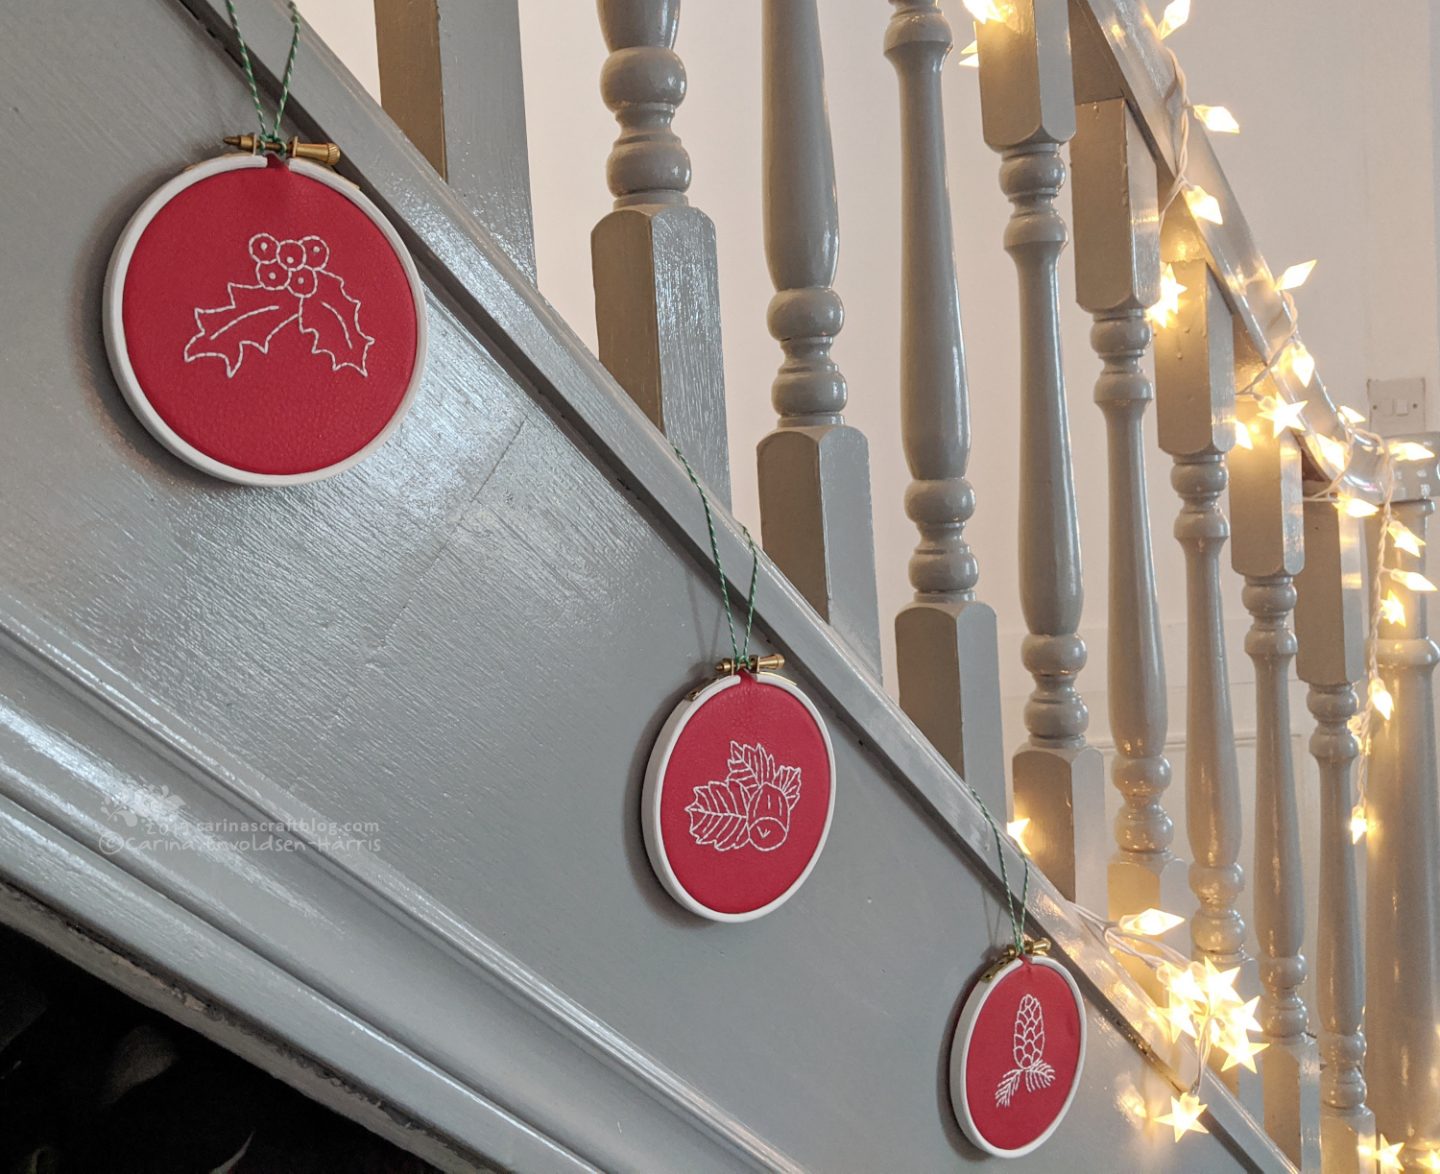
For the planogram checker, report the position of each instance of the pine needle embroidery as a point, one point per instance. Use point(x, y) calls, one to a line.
point(1029, 1052)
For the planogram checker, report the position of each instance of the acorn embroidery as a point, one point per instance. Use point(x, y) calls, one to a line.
point(750, 807)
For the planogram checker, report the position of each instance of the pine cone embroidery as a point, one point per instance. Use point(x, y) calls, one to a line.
point(751, 806)
point(1028, 1051)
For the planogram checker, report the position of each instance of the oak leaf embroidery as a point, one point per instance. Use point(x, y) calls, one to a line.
point(293, 283)
point(750, 806)
point(1028, 1051)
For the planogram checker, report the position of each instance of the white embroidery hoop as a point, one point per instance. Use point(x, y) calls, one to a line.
point(655, 787)
point(960, 1055)
point(113, 317)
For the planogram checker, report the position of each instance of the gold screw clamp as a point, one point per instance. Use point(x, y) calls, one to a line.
point(326, 153)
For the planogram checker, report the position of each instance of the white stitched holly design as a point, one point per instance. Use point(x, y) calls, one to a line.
point(293, 283)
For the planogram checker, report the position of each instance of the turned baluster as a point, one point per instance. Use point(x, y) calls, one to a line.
point(657, 292)
point(1330, 623)
point(1117, 276)
point(1268, 549)
point(1058, 779)
point(1402, 916)
point(814, 469)
point(945, 640)
point(1195, 397)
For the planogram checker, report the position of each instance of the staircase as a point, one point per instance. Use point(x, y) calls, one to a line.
point(382, 737)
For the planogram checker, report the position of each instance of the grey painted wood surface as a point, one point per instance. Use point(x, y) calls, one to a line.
point(1117, 274)
point(945, 639)
point(1195, 389)
point(417, 644)
point(1402, 855)
point(657, 281)
point(814, 469)
point(1331, 618)
point(450, 75)
point(1028, 112)
point(1268, 550)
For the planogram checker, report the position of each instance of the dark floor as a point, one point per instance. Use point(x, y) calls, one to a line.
point(91, 1082)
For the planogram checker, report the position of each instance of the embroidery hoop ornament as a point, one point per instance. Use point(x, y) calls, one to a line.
point(296, 156)
point(1033, 953)
point(723, 831)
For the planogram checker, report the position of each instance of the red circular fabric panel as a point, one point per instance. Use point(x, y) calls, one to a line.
point(269, 322)
point(745, 797)
point(1024, 1055)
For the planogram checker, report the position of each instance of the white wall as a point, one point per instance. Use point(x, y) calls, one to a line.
point(1336, 161)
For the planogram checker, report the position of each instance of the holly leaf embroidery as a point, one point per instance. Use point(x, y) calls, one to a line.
point(718, 816)
point(252, 318)
point(332, 319)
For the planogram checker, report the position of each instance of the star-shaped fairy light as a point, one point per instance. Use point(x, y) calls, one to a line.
point(1282, 414)
point(1359, 823)
point(1184, 1115)
point(1386, 1155)
point(1167, 309)
point(1392, 611)
point(1403, 537)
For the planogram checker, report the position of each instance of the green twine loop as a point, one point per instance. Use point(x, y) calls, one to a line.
point(740, 654)
point(1017, 919)
point(269, 136)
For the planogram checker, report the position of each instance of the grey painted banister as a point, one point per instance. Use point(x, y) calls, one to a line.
point(1402, 914)
point(814, 469)
point(657, 290)
point(1330, 623)
point(450, 77)
point(1195, 390)
point(945, 639)
point(1117, 273)
point(1268, 550)
point(1028, 112)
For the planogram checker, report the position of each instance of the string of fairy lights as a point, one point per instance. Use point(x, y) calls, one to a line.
point(1200, 1000)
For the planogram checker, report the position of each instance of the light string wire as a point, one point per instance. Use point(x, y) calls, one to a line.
point(269, 136)
point(1154, 954)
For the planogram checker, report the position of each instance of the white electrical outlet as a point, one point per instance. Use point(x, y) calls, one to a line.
point(1397, 406)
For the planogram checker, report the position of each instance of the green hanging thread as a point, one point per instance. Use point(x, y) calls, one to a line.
point(269, 137)
point(740, 654)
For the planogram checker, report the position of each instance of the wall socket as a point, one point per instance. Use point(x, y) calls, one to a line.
point(1397, 406)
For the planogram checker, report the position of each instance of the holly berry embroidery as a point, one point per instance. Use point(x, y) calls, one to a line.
point(293, 283)
point(751, 807)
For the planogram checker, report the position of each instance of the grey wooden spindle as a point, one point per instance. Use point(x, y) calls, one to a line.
point(1330, 623)
point(814, 469)
point(657, 290)
point(1402, 916)
point(1117, 275)
point(450, 77)
point(1028, 111)
point(946, 639)
point(1195, 396)
point(1268, 549)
